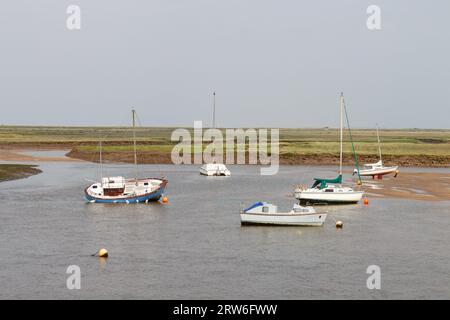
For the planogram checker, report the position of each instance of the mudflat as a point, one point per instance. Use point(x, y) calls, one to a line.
point(17, 171)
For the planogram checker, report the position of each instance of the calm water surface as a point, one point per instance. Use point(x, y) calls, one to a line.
point(195, 248)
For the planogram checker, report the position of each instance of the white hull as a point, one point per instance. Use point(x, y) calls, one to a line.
point(328, 197)
point(214, 173)
point(212, 169)
point(378, 171)
point(316, 219)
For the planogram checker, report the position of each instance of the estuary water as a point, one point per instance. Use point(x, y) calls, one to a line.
point(194, 247)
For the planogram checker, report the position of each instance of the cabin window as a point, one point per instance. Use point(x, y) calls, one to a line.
point(145, 183)
point(94, 187)
point(265, 209)
point(328, 190)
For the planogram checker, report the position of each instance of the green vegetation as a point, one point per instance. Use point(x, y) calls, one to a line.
point(17, 171)
point(294, 143)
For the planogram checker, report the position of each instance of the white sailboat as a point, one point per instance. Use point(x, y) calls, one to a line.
point(214, 169)
point(330, 191)
point(376, 170)
point(264, 213)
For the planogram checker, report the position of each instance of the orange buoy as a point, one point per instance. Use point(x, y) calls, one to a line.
point(165, 200)
point(366, 201)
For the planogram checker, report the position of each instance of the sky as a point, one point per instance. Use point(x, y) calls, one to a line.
point(271, 63)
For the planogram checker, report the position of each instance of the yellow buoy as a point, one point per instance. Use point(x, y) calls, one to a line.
point(339, 224)
point(165, 200)
point(103, 253)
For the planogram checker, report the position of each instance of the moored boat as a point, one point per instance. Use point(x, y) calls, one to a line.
point(121, 190)
point(330, 191)
point(264, 213)
point(214, 169)
point(376, 170)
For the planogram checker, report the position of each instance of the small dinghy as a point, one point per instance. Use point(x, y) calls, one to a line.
point(215, 169)
point(267, 214)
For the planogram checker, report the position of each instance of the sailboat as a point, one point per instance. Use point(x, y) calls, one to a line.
point(121, 190)
point(330, 191)
point(214, 169)
point(376, 170)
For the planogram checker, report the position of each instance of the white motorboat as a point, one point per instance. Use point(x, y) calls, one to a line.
point(330, 191)
point(376, 170)
point(215, 169)
point(267, 214)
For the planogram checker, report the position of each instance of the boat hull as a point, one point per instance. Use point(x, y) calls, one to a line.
point(329, 198)
point(144, 198)
point(314, 220)
point(377, 172)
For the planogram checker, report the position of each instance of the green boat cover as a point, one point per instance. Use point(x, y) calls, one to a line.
point(323, 182)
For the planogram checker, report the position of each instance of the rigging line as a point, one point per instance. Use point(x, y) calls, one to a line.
point(353, 146)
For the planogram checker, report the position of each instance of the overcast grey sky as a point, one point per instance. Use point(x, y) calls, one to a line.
point(272, 63)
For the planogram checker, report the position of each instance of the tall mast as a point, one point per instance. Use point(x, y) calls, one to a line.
point(214, 111)
point(101, 161)
point(133, 112)
point(379, 143)
point(341, 133)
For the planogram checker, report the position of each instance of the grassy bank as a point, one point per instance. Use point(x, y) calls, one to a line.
point(406, 147)
point(17, 171)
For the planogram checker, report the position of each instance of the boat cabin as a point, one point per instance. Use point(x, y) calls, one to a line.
point(113, 186)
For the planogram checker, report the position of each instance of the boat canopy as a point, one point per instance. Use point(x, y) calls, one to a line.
point(257, 204)
point(323, 182)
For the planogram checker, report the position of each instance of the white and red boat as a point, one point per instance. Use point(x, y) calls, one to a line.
point(376, 170)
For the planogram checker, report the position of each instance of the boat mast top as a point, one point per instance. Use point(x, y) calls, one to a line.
point(341, 132)
point(133, 112)
point(214, 111)
point(379, 143)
